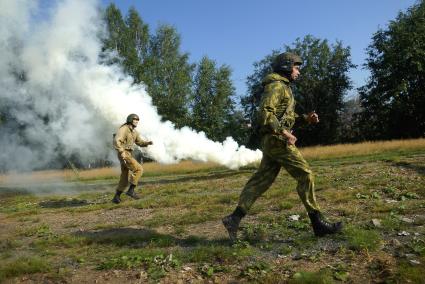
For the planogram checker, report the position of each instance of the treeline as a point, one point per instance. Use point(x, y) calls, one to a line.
point(201, 95)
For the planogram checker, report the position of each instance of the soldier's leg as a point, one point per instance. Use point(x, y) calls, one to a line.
point(123, 182)
point(292, 160)
point(258, 183)
point(254, 188)
point(136, 170)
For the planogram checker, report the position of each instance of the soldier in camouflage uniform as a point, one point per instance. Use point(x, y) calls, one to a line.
point(131, 170)
point(277, 117)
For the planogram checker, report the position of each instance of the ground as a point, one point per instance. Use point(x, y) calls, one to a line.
point(70, 232)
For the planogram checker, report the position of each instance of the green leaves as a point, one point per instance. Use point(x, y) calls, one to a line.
point(393, 99)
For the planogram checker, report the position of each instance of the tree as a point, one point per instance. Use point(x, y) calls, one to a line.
point(137, 40)
point(116, 28)
point(170, 75)
point(213, 108)
point(393, 100)
point(322, 86)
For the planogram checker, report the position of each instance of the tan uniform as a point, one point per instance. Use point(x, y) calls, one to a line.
point(124, 142)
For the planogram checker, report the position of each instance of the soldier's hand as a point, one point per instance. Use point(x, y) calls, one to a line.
point(291, 138)
point(123, 155)
point(313, 117)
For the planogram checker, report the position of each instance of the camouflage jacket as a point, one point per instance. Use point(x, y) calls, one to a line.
point(277, 107)
point(126, 138)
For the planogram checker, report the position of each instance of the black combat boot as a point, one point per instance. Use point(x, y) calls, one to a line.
point(131, 192)
point(117, 198)
point(322, 227)
point(231, 223)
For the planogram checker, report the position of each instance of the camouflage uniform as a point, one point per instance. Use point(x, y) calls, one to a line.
point(276, 116)
point(124, 142)
point(277, 113)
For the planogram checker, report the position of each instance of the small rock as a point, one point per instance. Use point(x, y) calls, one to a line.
point(390, 201)
point(294, 217)
point(142, 275)
point(404, 233)
point(376, 223)
point(187, 268)
point(414, 262)
point(395, 242)
point(407, 220)
point(416, 234)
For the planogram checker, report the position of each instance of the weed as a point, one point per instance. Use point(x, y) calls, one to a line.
point(407, 273)
point(285, 205)
point(218, 253)
point(321, 277)
point(417, 246)
point(156, 264)
point(256, 271)
point(23, 265)
point(359, 239)
point(209, 270)
point(255, 233)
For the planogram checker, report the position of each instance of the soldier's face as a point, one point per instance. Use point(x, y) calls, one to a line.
point(135, 122)
point(295, 72)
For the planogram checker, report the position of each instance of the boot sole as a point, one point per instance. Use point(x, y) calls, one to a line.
point(232, 237)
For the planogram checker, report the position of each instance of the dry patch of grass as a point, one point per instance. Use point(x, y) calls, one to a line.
point(358, 149)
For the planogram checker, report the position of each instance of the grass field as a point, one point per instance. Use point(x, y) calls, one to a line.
point(60, 226)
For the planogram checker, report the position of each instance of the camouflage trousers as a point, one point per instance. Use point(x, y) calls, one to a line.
point(131, 171)
point(277, 154)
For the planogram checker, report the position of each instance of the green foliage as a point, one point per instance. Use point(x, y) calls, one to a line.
point(209, 270)
point(220, 253)
point(170, 75)
point(393, 99)
point(322, 86)
point(320, 277)
point(155, 60)
point(256, 271)
point(359, 239)
point(406, 273)
point(23, 265)
point(212, 107)
point(155, 265)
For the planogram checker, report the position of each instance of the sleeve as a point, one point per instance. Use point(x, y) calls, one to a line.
point(269, 102)
point(119, 140)
point(140, 142)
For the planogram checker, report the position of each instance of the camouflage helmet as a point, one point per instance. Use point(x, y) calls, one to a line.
point(132, 116)
point(285, 61)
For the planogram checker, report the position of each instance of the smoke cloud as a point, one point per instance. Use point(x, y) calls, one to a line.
point(58, 101)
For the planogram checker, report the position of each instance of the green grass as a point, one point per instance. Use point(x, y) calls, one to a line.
point(176, 226)
point(360, 239)
point(23, 265)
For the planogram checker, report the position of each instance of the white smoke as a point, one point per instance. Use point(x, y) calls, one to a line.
point(57, 100)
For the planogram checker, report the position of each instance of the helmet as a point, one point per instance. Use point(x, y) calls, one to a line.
point(285, 61)
point(132, 116)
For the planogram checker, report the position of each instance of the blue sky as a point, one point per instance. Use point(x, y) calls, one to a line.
point(240, 32)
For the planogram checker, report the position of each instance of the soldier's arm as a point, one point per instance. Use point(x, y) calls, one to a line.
point(119, 140)
point(268, 104)
point(142, 143)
